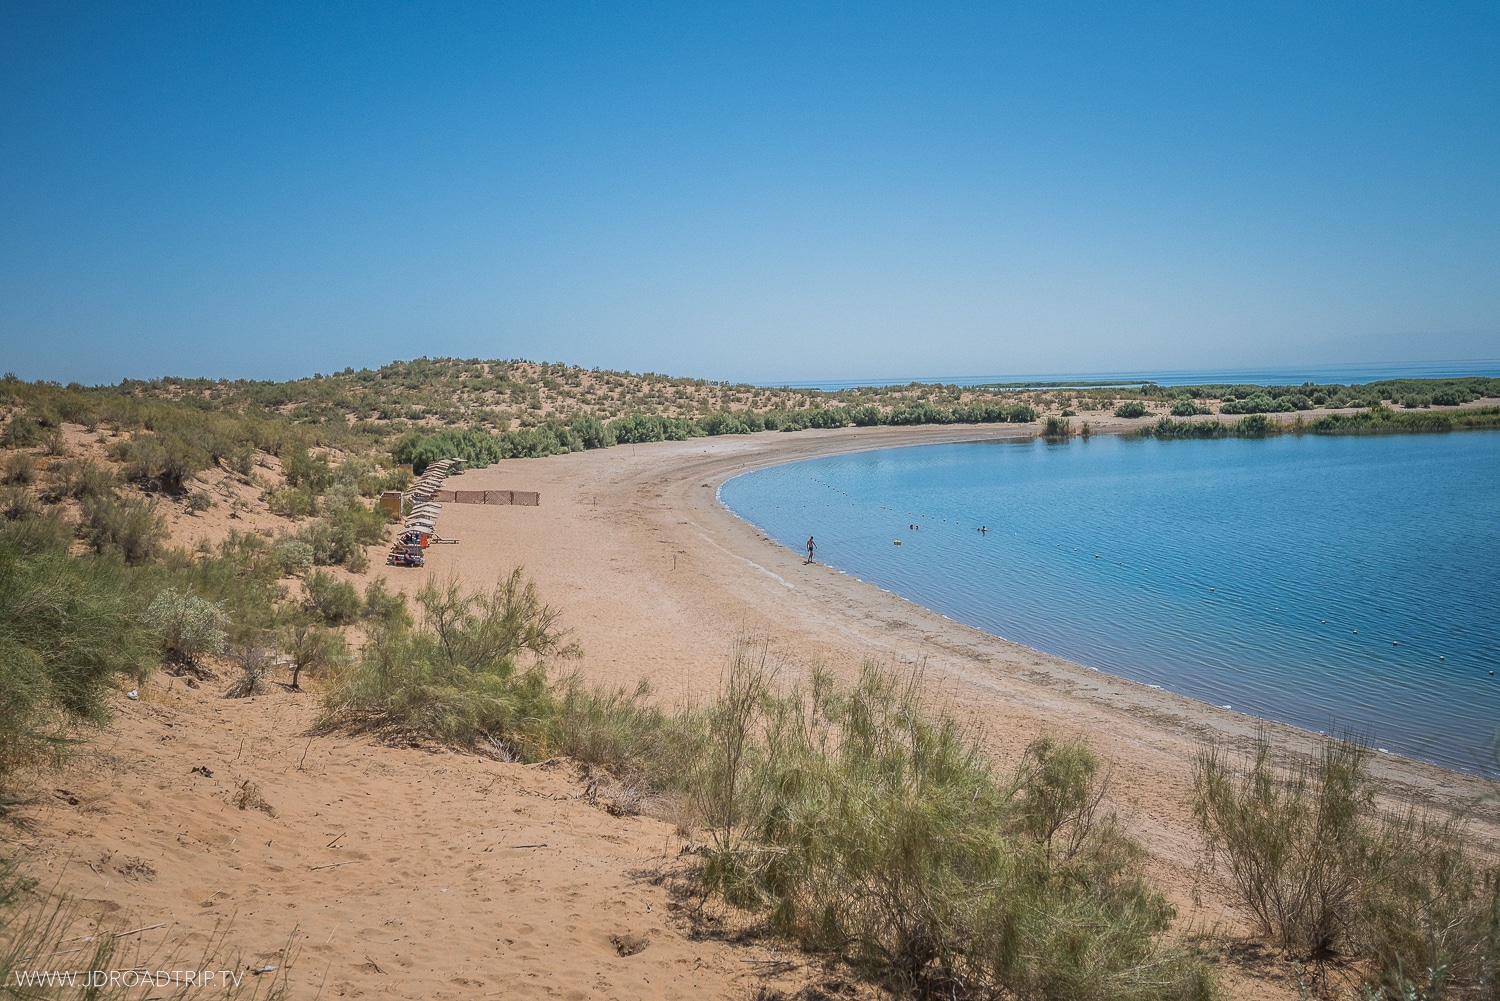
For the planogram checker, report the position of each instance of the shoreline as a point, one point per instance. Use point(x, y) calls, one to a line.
point(659, 579)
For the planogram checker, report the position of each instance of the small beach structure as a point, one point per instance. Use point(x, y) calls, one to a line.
point(419, 529)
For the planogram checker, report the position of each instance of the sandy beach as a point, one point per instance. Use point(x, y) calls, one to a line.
point(396, 872)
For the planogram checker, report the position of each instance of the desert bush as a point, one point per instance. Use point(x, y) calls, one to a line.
point(254, 659)
point(199, 500)
point(292, 502)
point(1323, 871)
point(869, 825)
point(19, 504)
point(68, 627)
point(293, 556)
point(53, 442)
point(332, 601)
point(460, 677)
point(358, 562)
point(128, 526)
point(35, 533)
point(1186, 406)
point(190, 627)
point(383, 607)
point(622, 731)
point(20, 469)
point(79, 479)
point(161, 460)
point(313, 648)
point(21, 431)
point(592, 432)
point(1131, 408)
point(304, 470)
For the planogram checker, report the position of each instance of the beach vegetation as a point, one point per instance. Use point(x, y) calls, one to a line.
point(313, 648)
point(1325, 872)
point(21, 431)
point(20, 470)
point(1131, 408)
point(331, 601)
point(39, 924)
point(1186, 406)
point(866, 823)
point(68, 628)
point(384, 607)
point(855, 819)
point(127, 526)
point(191, 628)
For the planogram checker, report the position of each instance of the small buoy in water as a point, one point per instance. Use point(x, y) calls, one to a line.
point(1492, 674)
point(1355, 631)
point(1210, 589)
point(1096, 556)
point(1441, 657)
point(1324, 621)
point(896, 541)
point(1394, 643)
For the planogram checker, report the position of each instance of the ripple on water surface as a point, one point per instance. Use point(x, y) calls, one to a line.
point(1335, 583)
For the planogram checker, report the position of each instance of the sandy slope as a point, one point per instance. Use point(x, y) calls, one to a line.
point(391, 872)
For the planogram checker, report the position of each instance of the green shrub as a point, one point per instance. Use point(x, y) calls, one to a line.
point(190, 627)
point(1057, 427)
point(68, 628)
point(592, 432)
point(384, 607)
point(37, 533)
point(343, 535)
point(642, 428)
point(1131, 408)
point(332, 601)
point(869, 825)
point(81, 478)
point(21, 431)
point(242, 580)
point(293, 557)
point(1257, 403)
point(1323, 871)
point(459, 678)
point(199, 500)
point(20, 469)
point(292, 502)
point(723, 423)
point(130, 527)
point(1186, 406)
point(304, 470)
point(19, 504)
point(313, 647)
point(164, 461)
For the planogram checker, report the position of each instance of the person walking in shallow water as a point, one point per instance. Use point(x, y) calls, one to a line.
point(811, 545)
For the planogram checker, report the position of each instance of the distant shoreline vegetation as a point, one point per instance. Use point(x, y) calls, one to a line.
point(1376, 420)
point(166, 431)
point(480, 447)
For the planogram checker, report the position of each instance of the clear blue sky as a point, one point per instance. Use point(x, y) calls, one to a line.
point(756, 192)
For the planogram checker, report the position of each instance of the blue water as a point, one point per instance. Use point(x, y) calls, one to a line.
point(1340, 584)
point(1324, 374)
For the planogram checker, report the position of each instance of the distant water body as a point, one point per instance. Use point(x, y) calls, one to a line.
point(1325, 375)
point(1339, 584)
